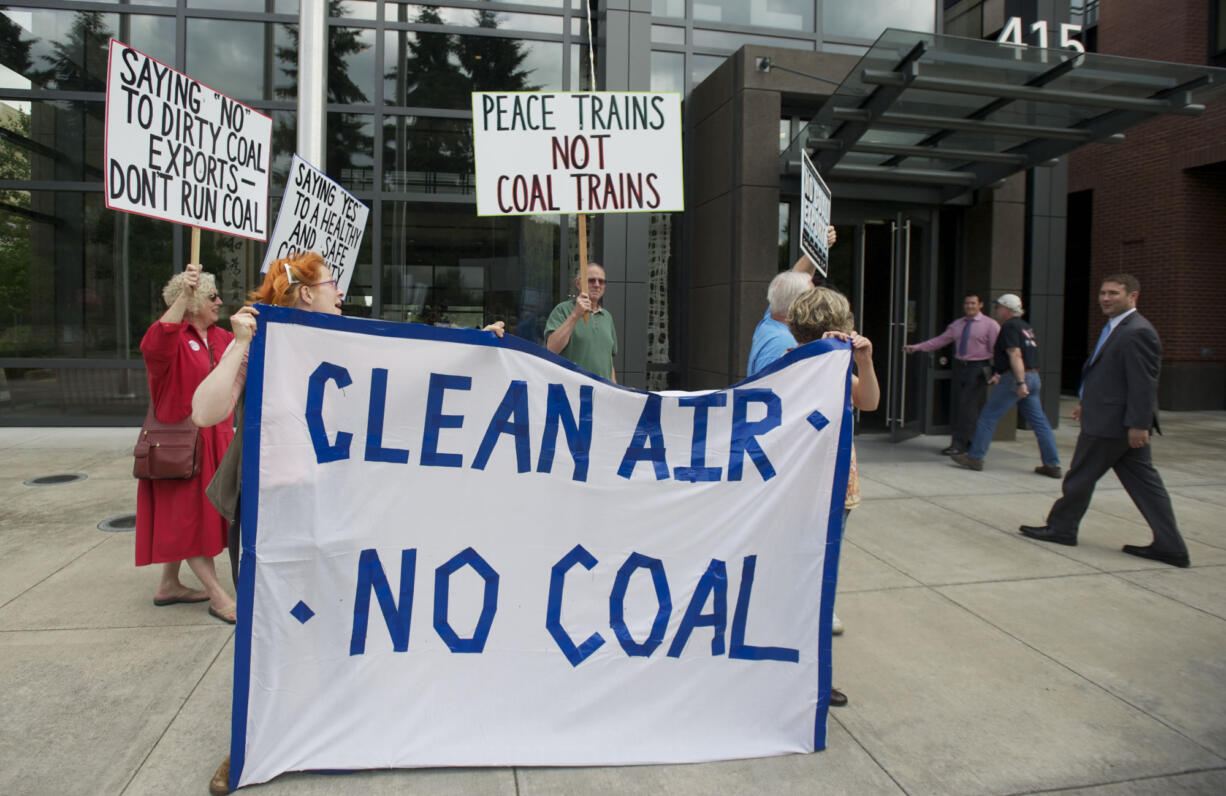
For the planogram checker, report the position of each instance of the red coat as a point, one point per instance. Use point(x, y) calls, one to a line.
point(174, 519)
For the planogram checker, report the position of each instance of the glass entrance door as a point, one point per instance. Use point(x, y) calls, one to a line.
point(888, 268)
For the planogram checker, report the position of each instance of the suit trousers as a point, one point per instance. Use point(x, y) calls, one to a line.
point(969, 392)
point(1093, 457)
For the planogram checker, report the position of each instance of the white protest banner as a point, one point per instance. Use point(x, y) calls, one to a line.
point(179, 151)
point(465, 551)
point(814, 214)
point(571, 152)
point(318, 215)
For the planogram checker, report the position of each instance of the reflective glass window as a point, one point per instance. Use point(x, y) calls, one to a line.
point(445, 266)
point(865, 19)
point(351, 65)
point(667, 34)
point(715, 39)
point(790, 14)
point(284, 145)
point(429, 155)
point(668, 8)
point(56, 49)
point(425, 69)
point(54, 140)
point(245, 60)
point(479, 18)
point(267, 6)
point(354, 9)
point(350, 145)
point(667, 71)
point(703, 65)
point(154, 36)
point(76, 279)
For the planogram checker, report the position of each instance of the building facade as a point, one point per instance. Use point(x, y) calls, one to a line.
point(79, 284)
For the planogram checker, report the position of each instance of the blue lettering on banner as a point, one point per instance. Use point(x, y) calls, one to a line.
point(489, 605)
point(325, 451)
point(738, 648)
point(714, 581)
point(553, 616)
point(617, 605)
point(578, 435)
point(436, 420)
point(511, 417)
point(648, 429)
point(743, 432)
point(375, 452)
point(397, 617)
point(698, 471)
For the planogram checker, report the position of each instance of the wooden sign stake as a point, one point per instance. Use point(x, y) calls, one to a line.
point(195, 258)
point(583, 257)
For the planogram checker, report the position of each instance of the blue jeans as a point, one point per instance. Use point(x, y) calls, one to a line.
point(1002, 397)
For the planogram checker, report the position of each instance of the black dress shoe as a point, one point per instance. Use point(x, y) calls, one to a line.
point(951, 450)
point(1046, 534)
point(837, 698)
point(1174, 559)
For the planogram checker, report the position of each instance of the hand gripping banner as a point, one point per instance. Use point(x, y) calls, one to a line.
point(465, 551)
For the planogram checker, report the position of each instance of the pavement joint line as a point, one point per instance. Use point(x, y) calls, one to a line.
point(1118, 697)
point(830, 714)
point(198, 625)
point(1148, 778)
point(153, 747)
point(50, 575)
point(515, 778)
point(1176, 600)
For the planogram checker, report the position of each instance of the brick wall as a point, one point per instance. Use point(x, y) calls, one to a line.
point(1160, 197)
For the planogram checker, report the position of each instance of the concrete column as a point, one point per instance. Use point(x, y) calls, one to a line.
point(312, 79)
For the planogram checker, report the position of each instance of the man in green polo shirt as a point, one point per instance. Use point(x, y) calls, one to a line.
point(591, 345)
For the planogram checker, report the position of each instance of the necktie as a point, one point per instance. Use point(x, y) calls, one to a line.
point(965, 341)
point(1102, 338)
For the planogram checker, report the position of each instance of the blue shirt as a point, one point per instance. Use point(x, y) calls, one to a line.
point(771, 340)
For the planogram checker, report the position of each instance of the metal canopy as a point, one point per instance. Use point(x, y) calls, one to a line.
point(945, 115)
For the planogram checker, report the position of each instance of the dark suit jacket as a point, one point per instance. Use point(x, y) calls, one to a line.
point(1120, 386)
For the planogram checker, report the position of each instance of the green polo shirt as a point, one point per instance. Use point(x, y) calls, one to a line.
point(592, 345)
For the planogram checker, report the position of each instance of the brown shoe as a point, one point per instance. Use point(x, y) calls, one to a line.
point(1051, 471)
point(964, 460)
point(219, 785)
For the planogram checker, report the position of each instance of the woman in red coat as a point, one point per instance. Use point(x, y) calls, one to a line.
point(174, 520)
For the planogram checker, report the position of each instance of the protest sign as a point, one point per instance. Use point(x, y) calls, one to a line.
point(179, 151)
point(459, 551)
point(572, 152)
point(814, 214)
point(318, 215)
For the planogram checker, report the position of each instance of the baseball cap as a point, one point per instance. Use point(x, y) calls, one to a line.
point(1012, 302)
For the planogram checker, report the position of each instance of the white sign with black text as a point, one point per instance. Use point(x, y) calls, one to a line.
point(814, 214)
point(569, 152)
point(318, 215)
point(179, 151)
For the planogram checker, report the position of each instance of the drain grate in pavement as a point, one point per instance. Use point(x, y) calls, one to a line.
point(54, 480)
point(118, 524)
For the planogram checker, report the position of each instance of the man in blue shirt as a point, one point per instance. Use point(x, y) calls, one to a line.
point(771, 338)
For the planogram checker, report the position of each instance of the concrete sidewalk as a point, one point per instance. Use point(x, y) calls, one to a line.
point(976, 661)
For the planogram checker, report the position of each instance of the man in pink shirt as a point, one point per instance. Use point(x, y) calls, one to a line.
point(973, 335)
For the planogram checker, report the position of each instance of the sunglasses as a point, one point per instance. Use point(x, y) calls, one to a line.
point(214, 296)
point(595, 280)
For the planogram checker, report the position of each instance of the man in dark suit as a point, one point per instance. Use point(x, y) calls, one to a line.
point(1119, 405)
